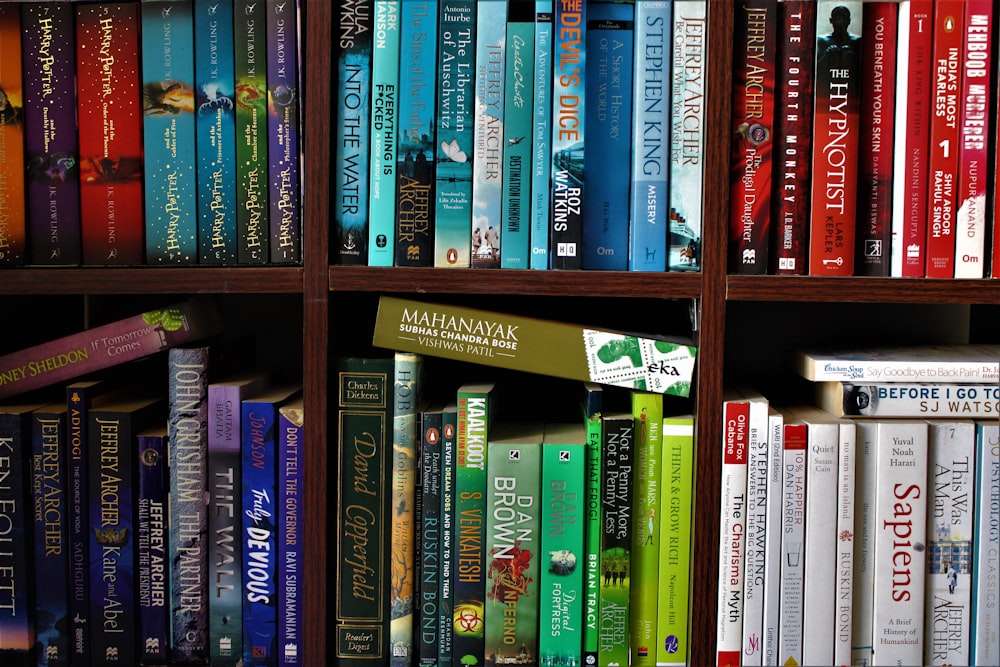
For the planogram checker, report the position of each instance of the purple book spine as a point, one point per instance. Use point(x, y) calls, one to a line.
point(283, 131)
point(151, 545)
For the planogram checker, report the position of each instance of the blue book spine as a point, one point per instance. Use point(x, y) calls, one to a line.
point(608, 135)
point(168, 101)
point(283, 153)
point(568, 122)
point(428, 631)
point(151, 546)
point(48, 476)
point(541, 148)
point(385, 100)
point(515, 251)
point(251, 136)
point(290, 552)
point(455, 133)
point(651, 138)
point(352, 147)
point(446, 600)
point(415, 153)
point(215, 124)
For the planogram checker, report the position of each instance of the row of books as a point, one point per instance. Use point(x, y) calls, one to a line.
point(463, 125)
point(863, 142)
point(511, 542)
point(152, 133)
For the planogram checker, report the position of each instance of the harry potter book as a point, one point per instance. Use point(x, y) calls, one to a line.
point(13, 226)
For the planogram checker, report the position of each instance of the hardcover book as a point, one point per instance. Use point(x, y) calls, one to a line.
point(110, 129)
point(534, 345)
point(386, 98)
point(108, 345)
point(427, 634)
point(152, 553)
point(593, 408)
point(985, 638)
point(51, 144)
point(541, 144)
point(793, 512)
point(647, 539)
point(291, 422)
point(927, 363)
point(13, 225)
point(906, 399)
point(446, 601)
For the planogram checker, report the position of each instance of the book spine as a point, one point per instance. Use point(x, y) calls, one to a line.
point(13, 225)
point(732, 513)
point(950, 523)
point(647, 538)
point(17, 555)
point(865, 482)
point(51, 146)
point(490, 136)
point(168, 126)
point(793, 511)
point(455, 113)
point(985, 647)
point(793, 137)
point(651, 135)
point(353, 137)
point(415, 152)
point(515, 209)
point(607, 135)
point(772, 540)
point(110, 127)
point(905, 399)
point(215, 127)
point(846, 509)
point(385, 79)
point(593, 399)
point(291, 552)
point(428, 632)
point(283, 151)
point(755, 535)
point(946, 64)
point(941, 367)
point(687, 134)
point(971, 221)
point(875, 143)
point(569, 120)
point(449, 430)
point(541, 147)
point(152, 529)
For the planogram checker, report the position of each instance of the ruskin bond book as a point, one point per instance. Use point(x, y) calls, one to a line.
point(541, 147)
point(384, 118)
point(13, 226)
point(909, 399)
point(252, 194)
point(430, 536)
point(793, 137)
point(647, 539)
point(446, 600)
point(108, 345)
point(168, 128)
point(847, 457)
point(110, 128)
point(152, 556)
point(51, 145)
point(751, 159)
point(593, 407)
point(291, 422)
point(732, 520)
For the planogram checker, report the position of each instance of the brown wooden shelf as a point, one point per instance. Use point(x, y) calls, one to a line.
point(150, 280)
point(861, 290)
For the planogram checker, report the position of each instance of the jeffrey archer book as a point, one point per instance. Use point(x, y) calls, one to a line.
point(152, 553)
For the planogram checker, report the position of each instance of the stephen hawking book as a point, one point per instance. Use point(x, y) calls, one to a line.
point(386, 97)
point(291, 475)
point(109, 124)
point(107, 345)
point(534, 345)
point(772, 539)
point(152, 554)
point(920, 363)
point(168, 127)
point(607, 135)
point(352, 143)
point(909, 399)
point(541, 147)
point(732, 512)
point(215, 127)
point(756, 528)
point(51, 145)
point(568, 122)
point(283, 151)
point(985, 638)
point(13, 229)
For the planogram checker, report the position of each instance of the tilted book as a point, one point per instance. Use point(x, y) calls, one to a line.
point(534, 345)
point(152, 552)
point(541, 140)
point(291, 536)
point(647, 538)
point(108, 345)
point(386, 98)
point(985, 638)
point(909, 399)
point(13, 225)
point(924, 363)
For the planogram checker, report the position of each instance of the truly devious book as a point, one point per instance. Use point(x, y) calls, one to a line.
point(534, 345)
point(386, 98)
point(291, 537)
point(974, 363)
point(909, 399)
point(152, 552)
point(13, 228)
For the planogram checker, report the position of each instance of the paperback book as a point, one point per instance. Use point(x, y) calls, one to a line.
point(386, 98)
point(291, 539)
point(593, 409)
point(13, 229)
point(446, 601)
point(541, 145)
point(152, 553)
point(792, 571)
point(909, 399)
point(925, 363)
point(755, 527)
point(985, 637)
point(430, 537)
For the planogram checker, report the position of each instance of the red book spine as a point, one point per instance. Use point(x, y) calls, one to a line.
point(793, 136)
point(948, 35)
point(875, 141)
point(13, 225)
point(755, 45)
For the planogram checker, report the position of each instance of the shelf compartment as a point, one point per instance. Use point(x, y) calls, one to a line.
point(861, 290)
point(148, 280)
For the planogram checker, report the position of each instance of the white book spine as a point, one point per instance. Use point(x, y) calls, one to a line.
point(864, 542)
point(910, 399)
point(772, 541)
point(732, 531)
point(986, 580)
point(793, 503)
point(756, 534)
point(844, 607)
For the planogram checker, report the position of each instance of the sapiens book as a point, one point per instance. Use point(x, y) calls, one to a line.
point(13, 226)
point(975, 363)
point(430, 536)
point(653, 81)
point(909, 399)
point(446, 600)
point(386, 100)
point(534, 345)
point(51, 141)
point(561, 550)
point(291, 538)
point(107, 345)
point(168, 130)
point(685, 219)
point(647, 537)
point(152, 552)
point(110, 130)
point(772, 539)
point(755, 526)
point(593, 414)
point(793, 137)
point(416, 152)
point(569, 62)
point(608, 135)
point(353, 137)
point(541, 139)
point(513, 536)
point(985, 638)
point(455, 113)
point(751, 159)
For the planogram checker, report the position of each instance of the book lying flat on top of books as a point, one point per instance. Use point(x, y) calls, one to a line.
point(538, 346)
point(921, 363)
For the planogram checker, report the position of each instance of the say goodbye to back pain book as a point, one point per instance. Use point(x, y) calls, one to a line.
point(924, 363)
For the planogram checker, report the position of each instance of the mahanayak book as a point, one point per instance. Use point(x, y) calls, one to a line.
point(534, 345)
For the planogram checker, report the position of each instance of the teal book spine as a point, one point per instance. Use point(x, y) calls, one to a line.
point(593, 401)
point(541, 138)
point(215, 123)
point(651, 139)
point(168, 104)
point(384, 115)
point(515, 208)
point(455, 133)
point(250, 70)
point(283, 149)
point(446, 599)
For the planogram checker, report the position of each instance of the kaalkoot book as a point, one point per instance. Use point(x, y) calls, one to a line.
point(108, 345)
point(909, 399)
point(250, 71)
point(13, 230)
point(534, 345)
point(924, 363)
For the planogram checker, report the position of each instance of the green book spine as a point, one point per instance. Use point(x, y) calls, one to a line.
point(676, 490)
point(592, 407)
point(647, 410)
point(563, 511)
point(617, 485)
point(250, 70)
point(382, 175)
point(446, 601)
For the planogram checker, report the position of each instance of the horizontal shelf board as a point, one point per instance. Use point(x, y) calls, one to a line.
point(510, 281)
point(858, 289)
point(140, 280)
